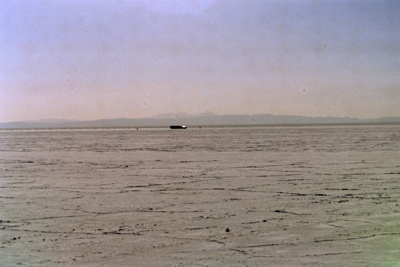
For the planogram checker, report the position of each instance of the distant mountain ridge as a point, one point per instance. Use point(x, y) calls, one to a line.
point(181, 115)
point(202, 119)
point(50, 120)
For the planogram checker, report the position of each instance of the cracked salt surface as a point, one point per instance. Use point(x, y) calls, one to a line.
point(267, 196)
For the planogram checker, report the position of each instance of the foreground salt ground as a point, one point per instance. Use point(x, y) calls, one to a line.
point(301, 196)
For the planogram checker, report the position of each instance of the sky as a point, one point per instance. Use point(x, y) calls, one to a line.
point(93, 59)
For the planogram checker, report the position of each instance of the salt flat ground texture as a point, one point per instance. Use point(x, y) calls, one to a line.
point(273, 196)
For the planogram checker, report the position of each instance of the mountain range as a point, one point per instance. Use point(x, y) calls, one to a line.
point(190, 120)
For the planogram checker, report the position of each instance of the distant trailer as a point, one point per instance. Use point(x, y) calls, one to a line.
point(177, 127)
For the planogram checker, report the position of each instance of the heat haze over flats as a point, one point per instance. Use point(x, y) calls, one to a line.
point(89, 60)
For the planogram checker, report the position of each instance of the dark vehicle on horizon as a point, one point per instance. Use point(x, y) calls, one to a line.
point(177, 127)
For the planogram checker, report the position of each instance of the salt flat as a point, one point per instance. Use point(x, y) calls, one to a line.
point(267, 196)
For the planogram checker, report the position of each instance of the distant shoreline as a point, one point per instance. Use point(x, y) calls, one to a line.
point(208, 120)
point(207, 126)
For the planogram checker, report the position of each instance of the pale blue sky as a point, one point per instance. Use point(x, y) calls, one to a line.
point(93, 59)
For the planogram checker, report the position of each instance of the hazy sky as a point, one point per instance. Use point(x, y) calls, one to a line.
point(94, 59)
